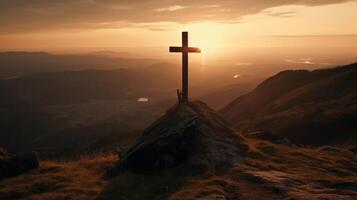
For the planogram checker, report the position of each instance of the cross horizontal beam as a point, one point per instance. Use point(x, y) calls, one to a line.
point(185, 50)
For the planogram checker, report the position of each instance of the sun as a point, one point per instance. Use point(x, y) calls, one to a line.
point(207, 36)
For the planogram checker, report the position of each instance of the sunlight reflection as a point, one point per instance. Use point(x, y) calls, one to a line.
point(236, 76)
point(143, 100)
point(306, 61)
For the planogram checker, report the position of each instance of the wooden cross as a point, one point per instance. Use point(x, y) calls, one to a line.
point(185, 49)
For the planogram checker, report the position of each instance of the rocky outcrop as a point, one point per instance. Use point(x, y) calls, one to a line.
point(189, 134)
point(3, 153)
point(13, 165)
point(354, 150)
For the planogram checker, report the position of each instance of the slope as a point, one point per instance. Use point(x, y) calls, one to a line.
point(315, 107)
point(193, 153)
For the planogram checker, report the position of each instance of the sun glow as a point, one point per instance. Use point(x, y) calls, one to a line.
point(207, 36)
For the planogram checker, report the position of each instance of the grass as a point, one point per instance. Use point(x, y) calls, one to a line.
point(128, 186)
point(269, 171)
point(60, 180)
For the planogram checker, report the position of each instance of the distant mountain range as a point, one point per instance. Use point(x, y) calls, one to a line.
point(310, 107)
point(14, 64)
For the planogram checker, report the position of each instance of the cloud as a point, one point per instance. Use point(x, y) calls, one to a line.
point(281, 14)
point(157, 26)
point(37, 15)
point(170, 8)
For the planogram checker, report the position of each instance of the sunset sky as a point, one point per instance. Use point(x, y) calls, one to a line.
point(145, 25)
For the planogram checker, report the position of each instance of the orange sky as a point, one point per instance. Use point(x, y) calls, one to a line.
point(89, 25)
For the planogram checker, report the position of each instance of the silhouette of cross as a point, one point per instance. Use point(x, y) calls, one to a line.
point(185, 49)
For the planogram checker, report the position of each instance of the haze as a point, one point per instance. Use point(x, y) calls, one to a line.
point(224, 30)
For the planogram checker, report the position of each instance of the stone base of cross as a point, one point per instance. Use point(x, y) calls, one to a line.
point(185, 50)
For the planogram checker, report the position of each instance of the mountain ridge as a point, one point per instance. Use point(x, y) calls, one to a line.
point(282, 102)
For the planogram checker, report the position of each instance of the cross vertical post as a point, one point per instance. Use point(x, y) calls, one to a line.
point(184, 67)
point(185, 50)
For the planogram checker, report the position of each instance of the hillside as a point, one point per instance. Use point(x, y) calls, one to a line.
point(191, 152)
point(80, 178)
point(311, 107)
point(272, 171)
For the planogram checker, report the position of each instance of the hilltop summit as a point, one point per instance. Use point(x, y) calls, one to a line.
point(189, 133)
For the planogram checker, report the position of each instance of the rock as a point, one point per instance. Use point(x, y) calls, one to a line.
point(3, 153)
point(191, 134)
point(18, 164)
point(353, 149)
point(200, 165)
point(269, 136)
point(345, 186)
point(223, 165)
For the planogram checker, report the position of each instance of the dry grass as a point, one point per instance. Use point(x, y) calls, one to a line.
point(130, 186)
point(273, 171)
point(301, 173)
point(270, 171)
point(60, 180)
